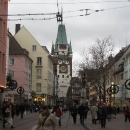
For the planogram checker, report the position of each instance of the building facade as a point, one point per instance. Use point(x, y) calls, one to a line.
point(42, 66)
point(20, 68)
point(3, 44)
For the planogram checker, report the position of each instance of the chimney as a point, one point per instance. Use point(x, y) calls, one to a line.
point(17, 28)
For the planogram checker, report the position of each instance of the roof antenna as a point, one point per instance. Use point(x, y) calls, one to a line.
point(59, 15)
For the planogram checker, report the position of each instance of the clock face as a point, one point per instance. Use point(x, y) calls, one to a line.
point(63, 68)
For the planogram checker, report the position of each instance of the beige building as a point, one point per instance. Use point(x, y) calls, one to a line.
point(42, 67)
point(92, 94)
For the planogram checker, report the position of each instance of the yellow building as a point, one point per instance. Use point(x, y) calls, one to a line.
point(42, 66)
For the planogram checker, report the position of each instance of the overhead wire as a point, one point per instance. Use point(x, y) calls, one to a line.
point(63, 12)
point(121, 1)
point(94, 11)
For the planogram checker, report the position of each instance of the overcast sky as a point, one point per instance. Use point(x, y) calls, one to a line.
point(114, 20)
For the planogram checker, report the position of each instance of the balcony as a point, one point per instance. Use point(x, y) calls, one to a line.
point(39, 65)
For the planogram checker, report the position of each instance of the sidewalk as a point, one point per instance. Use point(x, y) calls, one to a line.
point(115, 124)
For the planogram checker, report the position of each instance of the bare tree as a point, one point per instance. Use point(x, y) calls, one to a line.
point(98, 60)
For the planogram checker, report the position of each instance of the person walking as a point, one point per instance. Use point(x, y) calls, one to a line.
point(114, 111)
point(58, 113)
point(109, 112)
point(47, 120)
point(94, 110)
point(9, 116)
point(102, 113)
point(74, 111)
point(4, 107)
point(17, 109)
point(86, 111)
point(127, 114)
point(81, 112)
point(22, 109)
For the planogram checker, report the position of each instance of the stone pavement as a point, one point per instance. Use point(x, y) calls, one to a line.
point(67, 123)
point(117, 123)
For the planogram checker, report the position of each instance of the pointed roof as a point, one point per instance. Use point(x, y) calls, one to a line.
point(14, 47)
point(70, 48)
point(61, 35)
point(56, 48)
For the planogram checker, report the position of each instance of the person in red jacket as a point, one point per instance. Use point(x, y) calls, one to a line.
point(58, 113)
point(127, 113)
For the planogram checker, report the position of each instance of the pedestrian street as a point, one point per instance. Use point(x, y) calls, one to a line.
point(30, 119)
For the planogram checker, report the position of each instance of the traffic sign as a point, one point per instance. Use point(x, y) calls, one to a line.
point(20, 90)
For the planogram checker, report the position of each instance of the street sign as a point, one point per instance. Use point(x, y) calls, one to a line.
point(33, 93)
point(127, 84)
point(20, 90)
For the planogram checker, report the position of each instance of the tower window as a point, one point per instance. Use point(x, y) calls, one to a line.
point(62, 76)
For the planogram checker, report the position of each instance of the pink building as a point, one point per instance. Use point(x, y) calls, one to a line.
point(20, 67)
point(3, 41)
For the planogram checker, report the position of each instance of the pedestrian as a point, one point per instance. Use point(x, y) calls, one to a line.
point(17, 109)
point(47, 120)
point(127, 114)
point(74, 111)
point(58, 113)
point(9, 116)
point(4, 107)
point(31, 107)
point(81, 112)
point(53, 109)
point(114, 111)
point(118, 110)
point(86, 111)
point(22, 109)
point(94, 111)
point(102, 113)
point(109, 112)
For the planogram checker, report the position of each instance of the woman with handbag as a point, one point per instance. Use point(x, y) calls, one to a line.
point(47, 120)
point(9, 116)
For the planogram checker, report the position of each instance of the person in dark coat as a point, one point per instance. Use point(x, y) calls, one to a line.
point(114, 111)
point(109, 112)
point(81, 112)
point(22, 109)
point(3, 113)
point(127, 114)
point(74, 111)
point(17, 109)
point(102, 112)
point(118, 109)
point(86, 111)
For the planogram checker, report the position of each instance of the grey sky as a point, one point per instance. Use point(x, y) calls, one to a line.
point(82, 31)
